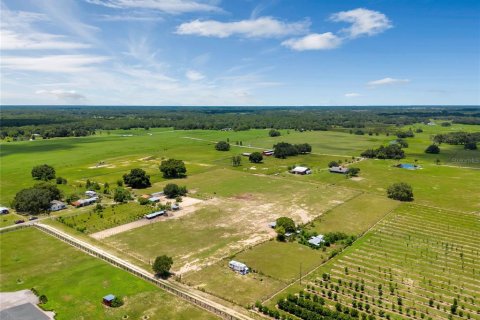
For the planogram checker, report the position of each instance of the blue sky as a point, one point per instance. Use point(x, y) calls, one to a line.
point(240, 52)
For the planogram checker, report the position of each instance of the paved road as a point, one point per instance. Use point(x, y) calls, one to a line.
point(185, 293)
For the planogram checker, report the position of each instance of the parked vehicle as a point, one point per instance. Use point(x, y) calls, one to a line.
point(32, 218)
point(19, 221)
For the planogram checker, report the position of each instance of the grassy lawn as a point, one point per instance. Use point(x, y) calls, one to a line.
point(244, 290)
point(75, 283)
point(355, 216)
point(91, 221)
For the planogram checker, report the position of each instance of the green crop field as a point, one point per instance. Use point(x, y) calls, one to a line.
point(419, 262)
point(75, 283)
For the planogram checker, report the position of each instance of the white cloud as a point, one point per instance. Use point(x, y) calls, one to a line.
point(264, 27)
point(364, 22)
point(386, 81)
point(352, 94)
point(314, 41)
point(62, 94)
point(52, 63)
point(17, 33)
point(193, 75)
point(167, 6)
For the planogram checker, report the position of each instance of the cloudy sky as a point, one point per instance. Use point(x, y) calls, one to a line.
point(240, 52)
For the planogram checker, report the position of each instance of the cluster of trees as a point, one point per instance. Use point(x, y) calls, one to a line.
point(405, 134)
point(36, 199)
point(284, 225)
point(137, 178)
point(457, 138)
point(283, 150)
point(173, 168)
point(121, 195)
point(173, 191)
point(400, 191)
point(48, 122)
point(236, 161)
point(433, 148)
point(274, 133)
point(222, 146)
point(392, 151)
point(43, 172)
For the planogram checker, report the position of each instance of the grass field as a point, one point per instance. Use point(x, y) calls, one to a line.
point(75, 283)
point(414, 264)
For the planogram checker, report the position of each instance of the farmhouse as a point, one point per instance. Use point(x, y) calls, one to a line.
point(84, 202)
point(90, 193)
point(56, 205)
point(107, 300)
point(267, 153)
point(316, 240)
point(238, 267)
point(339, 169)
point(4, 210)
point(301, 170)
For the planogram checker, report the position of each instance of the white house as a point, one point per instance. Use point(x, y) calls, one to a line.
point(90, 193)
point(56, 205)
point(301, 170)
point(316, 240)
point(238, 267)
point(339, 169)
point(4, 210)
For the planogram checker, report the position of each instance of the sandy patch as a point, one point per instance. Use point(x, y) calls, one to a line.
point(357, 178)
point(188, 205)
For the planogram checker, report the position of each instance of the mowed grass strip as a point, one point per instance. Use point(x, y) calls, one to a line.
point(75, 283)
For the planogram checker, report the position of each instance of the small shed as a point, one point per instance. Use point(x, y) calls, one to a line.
point(301, 170)
point(107, 300)
point(157, 194)
point(268, 153)
point(4, 210)
point(339, 169)
point(175, 207)
point(154, 199)
point(272, 224)
point(238, 267)
point(316, 240)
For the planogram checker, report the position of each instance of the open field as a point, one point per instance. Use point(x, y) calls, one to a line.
point(237, 217)
point(415, 263)
point(75, 283)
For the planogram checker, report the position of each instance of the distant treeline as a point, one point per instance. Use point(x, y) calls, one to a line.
point(48, 122)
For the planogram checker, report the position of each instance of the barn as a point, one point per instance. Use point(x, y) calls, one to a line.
point(301, 170)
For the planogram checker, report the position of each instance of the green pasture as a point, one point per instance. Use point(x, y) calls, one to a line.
point(355, 216)
point(75, 283)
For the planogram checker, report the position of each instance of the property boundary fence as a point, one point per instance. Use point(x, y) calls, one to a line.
point(213, 307)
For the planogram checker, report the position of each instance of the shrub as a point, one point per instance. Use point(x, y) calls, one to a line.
point(173, 168)
point(433, 148)
point(121, 195)
point(172, 191)
point(274, 133)
point(255, 157)
point(222, 146)
point(400, 191)
point(43, 172)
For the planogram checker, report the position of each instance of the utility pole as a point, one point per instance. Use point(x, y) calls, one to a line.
point(300, 273)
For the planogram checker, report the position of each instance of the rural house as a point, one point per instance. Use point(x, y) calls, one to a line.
point(84, 202)
point(339, 169)
point(90, 193)
point(4, 210)
point(301, 170)
point(316, 240)
point(238, 267)
point(154, 199)
point(56, 205)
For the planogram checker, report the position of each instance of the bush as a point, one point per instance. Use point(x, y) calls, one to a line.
point(43, 172)
point(172, 191)
point(222, 146)
point(333, 164)
point(143, 201)
point(173, 168)
point(255, 157)
point(137, 178)
point(117, 302)
point(433, 148)
point(353, 172)
point(470, 146)
point(61, 180)
point(400, 191)
point(286, 223)
point(274, 133)
point(121, 195)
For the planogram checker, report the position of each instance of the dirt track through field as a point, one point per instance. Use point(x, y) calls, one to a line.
point(188, 206)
